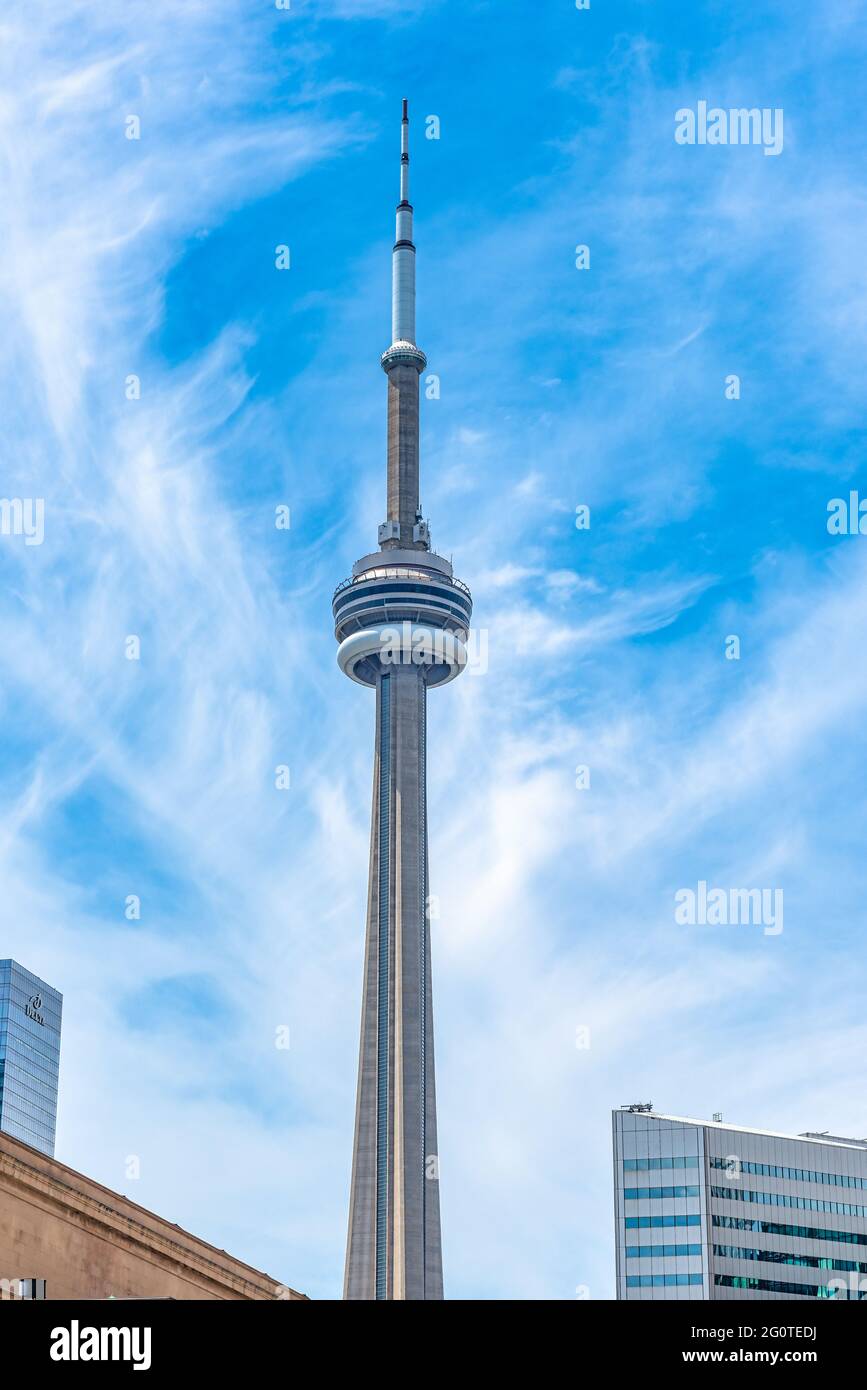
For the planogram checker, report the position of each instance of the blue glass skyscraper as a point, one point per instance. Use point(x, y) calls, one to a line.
point(30, 1012)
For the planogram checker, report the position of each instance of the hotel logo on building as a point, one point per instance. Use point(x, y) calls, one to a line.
point(32, 1007)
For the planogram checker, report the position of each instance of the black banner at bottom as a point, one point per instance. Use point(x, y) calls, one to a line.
point(143, 1337)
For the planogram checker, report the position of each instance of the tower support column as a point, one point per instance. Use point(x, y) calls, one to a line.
point(394, 1246)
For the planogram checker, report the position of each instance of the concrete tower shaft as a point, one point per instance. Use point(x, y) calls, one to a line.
point(394, 1248)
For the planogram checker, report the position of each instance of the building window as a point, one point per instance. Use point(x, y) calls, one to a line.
point(654, 1281)
point(660, 1252)
point(641, 1223)
point(783, 1228)
point(743, 1281)
point(783, 1199)
point(643, 1165)
point(787, 1257)
point(778, 1170)
point(637, 1194)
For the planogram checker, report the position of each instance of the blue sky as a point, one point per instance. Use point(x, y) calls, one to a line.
point(559, 388)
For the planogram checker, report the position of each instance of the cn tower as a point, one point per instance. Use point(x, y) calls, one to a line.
point(402, 621)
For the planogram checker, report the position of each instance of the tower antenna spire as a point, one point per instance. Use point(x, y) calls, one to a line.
point(404, 153)
point(403, 528)
point(403, 256)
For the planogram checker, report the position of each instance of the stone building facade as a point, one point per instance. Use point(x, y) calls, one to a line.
point(87, 1242)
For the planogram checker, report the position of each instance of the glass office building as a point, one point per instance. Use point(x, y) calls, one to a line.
point(29, 1056)
point(706, 1210)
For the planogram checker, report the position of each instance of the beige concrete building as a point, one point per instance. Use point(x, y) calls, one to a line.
point(88, 1242)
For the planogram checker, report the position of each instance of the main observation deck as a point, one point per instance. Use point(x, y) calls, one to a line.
point(410, 593)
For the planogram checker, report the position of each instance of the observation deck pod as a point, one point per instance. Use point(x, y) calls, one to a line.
point(402, 607)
